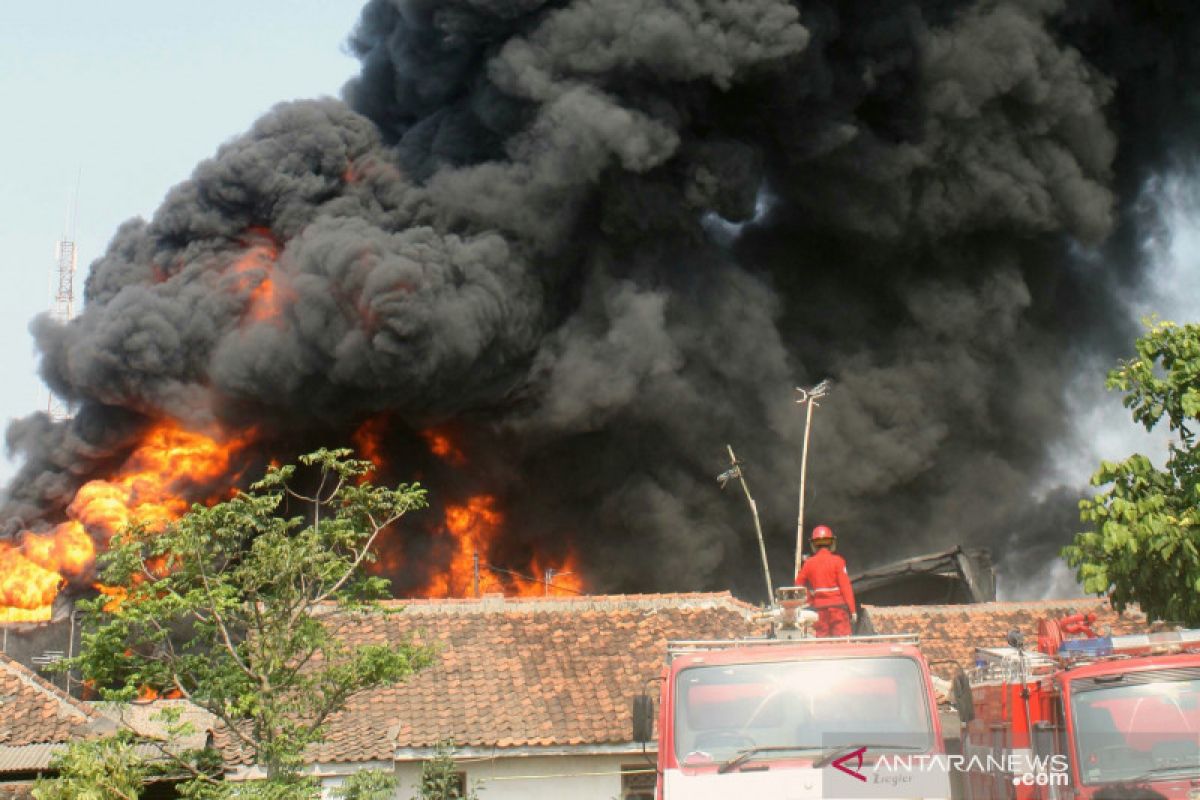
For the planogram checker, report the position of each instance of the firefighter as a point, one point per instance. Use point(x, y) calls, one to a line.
point(824, 573)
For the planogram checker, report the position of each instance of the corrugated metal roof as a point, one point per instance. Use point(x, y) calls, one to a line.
point(29, 757)
point(37, 757)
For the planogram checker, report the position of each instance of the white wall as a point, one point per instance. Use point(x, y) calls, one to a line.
point(529, 778)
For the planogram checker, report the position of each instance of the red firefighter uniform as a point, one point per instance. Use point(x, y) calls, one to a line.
point(824, 573)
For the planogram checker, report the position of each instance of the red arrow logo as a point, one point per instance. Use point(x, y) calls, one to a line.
point(840, 763)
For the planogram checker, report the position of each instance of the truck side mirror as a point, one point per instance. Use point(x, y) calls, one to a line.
point(643, 718)
point(962, 698)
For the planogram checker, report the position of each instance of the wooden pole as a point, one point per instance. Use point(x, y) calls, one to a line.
point(762, 548)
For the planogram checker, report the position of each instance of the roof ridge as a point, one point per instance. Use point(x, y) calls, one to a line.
point(998, 605)
point(36, 683)
point(590, 602)
point(43, 686)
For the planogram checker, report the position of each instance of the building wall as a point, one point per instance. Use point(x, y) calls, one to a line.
point(591, 777)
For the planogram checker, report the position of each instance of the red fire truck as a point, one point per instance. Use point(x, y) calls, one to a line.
point(1083, 716)
point(786, 719)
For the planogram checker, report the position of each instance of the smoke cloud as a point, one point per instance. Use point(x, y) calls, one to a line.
point(599, 239)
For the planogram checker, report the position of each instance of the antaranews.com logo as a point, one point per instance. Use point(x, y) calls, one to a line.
point(856, 773)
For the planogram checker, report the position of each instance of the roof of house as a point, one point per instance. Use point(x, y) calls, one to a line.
point(950, 634)
point(147, 721)
point(554, 672)
point(515, 672)
point(36, 716)
point(35, 711)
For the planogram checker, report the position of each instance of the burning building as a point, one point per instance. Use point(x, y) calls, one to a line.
point(549, 257)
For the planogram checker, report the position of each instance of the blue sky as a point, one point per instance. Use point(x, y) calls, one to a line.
point(130, 94)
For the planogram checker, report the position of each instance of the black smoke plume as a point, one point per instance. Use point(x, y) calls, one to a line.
point(599, 239)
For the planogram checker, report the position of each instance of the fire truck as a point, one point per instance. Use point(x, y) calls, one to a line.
point(789, 717)
point(1083, 716)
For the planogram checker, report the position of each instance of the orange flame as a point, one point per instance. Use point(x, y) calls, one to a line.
point(441, 446)
point(116, 596)
point(257, 276)
point(368, 438)
point(474, 528)
point(146, 490)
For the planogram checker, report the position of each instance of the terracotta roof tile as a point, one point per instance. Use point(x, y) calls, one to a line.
point(950, 634)
point(563, 671)
point(34, 711)
point(520, 672)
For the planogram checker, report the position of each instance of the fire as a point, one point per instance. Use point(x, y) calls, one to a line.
point(567, 578)
point(172, 466)
point(147, 489)
point(26, 588)
point(470, 531)
point(147, 694)
point(256, 276)
point(442, 447)
point(368, 438)
point(474, 528)
point(116, 596)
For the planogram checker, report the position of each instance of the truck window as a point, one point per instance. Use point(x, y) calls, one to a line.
point(1136, 725)
point(816, 703)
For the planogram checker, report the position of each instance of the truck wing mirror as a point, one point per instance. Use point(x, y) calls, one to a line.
point(643, 718)
point(963, 700)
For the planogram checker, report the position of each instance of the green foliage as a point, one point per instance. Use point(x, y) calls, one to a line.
point(1145, 545)
point(368, 784)
point(95, 769)
point(275, 789)
point(439, 777)
point(232, 607)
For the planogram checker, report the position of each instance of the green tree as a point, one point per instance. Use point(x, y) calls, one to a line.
point(368, 784)
point(1145, 544)
point(236, 607)
point(95, 769)
point(439, 777)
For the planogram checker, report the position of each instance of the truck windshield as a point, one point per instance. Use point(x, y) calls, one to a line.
point(1138, 726)
point(813, 704)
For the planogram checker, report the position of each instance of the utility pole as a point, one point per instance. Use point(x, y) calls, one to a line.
point(809, 398)
point(735, 471)
point(549, 576)
point(475, 574)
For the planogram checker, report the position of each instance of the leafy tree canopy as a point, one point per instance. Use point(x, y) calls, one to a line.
point(236, 607)
point(95, 769)
point(1145, 544)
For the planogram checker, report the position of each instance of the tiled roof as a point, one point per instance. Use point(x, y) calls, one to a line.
point(34, 711)
point(529, 672)
point(951, 633)
point(520, 672)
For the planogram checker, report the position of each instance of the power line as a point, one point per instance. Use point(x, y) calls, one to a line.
point(528, 578)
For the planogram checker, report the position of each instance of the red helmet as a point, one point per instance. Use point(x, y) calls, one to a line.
point(822, 534)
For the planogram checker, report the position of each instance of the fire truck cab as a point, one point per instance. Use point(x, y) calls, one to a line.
point(784, 719)
point(1090, 717)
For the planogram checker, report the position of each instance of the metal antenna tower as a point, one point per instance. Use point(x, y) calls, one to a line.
point(62, 292)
